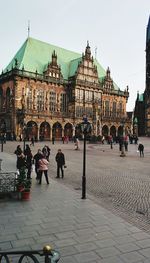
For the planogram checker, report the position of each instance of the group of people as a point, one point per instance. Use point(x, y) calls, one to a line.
point(40, 160)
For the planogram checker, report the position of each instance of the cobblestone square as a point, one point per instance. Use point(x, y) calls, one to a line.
point(114, 215)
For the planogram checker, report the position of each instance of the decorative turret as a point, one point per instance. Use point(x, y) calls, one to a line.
point(88, 51)
point(16, 62)
point(54, 59)
point(148, 31)
point(53, 69)
point(108, 73)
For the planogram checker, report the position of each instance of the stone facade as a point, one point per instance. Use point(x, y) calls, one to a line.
point(45, 105)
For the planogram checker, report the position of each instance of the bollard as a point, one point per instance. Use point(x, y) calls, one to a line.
point(1, 164)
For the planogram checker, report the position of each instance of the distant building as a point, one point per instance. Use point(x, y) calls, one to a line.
point(141, 119)
point(129, 127)
point(147, 89)
point(139, 116)
point(45, 91)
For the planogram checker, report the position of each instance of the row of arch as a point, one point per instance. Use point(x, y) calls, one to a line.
point(46, 132)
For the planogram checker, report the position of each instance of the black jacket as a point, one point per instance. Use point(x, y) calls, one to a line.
point(21, 162)
point(37, 157)
point(60, 158)
point(141, 147)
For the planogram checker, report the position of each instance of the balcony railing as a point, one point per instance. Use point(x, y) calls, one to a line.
point(32, 75)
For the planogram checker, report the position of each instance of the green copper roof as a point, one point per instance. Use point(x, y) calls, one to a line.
point(35, 55)
point(73, 65)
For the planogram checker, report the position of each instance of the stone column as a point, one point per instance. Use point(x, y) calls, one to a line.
point(62, 132)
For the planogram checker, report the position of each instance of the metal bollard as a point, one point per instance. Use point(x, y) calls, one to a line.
point(1, 164)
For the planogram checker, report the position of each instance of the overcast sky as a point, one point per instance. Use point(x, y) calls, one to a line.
point(117, 28)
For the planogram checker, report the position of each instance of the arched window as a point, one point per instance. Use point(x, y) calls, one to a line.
point(40, 100)
point(52, 101)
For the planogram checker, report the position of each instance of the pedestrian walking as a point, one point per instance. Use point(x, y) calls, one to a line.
point(141, 149)
point(76, 145)
point(18, 150)
point(43, 167)
point(60, 159)
point(111, 141)
point(53, 140)
point(46, 152)
point(32, 141)
point(103, 139)
point(126, 141)
point(36, 159)
point(29, 158)
point(21, 161)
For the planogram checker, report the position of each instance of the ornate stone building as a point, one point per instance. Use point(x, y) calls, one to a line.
point(46, 90)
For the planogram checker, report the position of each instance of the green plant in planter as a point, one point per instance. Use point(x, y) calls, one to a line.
point(23, 184)
point(27, 185)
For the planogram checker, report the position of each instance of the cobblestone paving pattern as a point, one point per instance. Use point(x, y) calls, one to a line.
point(119, 184)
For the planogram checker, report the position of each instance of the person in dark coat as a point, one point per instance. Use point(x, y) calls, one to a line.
point(141, 149)
point(32, 141)
point(18, 150)
point(36, 158)
point(21, 161)
point(29, 158)
point(53, 140)
point(60, 159)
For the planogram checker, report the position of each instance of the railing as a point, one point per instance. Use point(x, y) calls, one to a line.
point(49, 256)
point(88, 83)
point(8, 182)
point(34, 75)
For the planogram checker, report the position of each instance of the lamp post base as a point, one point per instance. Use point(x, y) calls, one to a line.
point(83, 187)
point(122, 151)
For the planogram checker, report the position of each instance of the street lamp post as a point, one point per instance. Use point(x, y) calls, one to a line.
point(123, 135)
point(3, 131)
point(2, 142)
point(85, 127)
point(24, 136)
